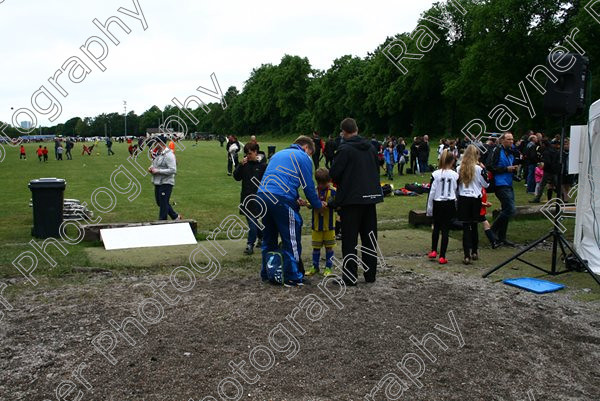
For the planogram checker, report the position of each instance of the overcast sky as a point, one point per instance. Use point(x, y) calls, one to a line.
point(186, 41)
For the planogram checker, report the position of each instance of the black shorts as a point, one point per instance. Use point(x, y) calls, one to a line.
point(469, 209)
point(444, 211)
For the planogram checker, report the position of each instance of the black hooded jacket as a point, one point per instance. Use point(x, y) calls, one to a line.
point(355, 169)
point(245, 173)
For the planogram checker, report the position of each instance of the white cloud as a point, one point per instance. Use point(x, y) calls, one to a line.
point(185, 42)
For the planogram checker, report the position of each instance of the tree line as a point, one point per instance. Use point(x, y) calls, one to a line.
point(480, 58)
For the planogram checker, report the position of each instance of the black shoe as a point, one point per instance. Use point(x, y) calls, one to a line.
point(259, 243)
point(349, 283)
point(249, 250)
point(467, 260)
point(496, 244)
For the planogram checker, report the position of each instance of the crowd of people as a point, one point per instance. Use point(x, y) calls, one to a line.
point(65, 146)
point(349, 186)
point(496, 165)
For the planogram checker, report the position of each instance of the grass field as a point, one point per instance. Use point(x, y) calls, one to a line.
point(202, 192)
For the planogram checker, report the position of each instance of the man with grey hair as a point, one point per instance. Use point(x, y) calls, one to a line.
point(501, 163)
point(356, 171)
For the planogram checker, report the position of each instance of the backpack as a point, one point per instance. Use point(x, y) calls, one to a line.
point(573, 264)
point(386, 189)
point(418, 188)
point(275, 267)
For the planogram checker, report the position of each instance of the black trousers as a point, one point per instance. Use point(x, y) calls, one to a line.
point(232, 162)
point(470, 239)
point(359, 220)
point(443, 213)
point(401, 168)
point(162, 195)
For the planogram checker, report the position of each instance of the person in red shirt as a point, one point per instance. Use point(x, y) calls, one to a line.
point(45, 153)
point(40, 153)
point(22, 153)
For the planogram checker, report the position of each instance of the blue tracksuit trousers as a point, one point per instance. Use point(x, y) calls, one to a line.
point(282, 219)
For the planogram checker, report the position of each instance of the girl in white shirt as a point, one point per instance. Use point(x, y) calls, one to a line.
point(441, 204)
point(472, 178)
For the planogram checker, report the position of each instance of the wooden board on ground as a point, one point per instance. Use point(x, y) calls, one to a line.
point(150, 236)
point(92, 231)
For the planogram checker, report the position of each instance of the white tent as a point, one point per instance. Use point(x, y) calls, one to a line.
point(587, 223)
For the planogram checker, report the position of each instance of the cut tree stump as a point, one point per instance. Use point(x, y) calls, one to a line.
point(92, 231)
point(419, 218)
point(523, 212)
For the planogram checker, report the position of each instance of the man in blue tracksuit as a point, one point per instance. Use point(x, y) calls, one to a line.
point(288, 170)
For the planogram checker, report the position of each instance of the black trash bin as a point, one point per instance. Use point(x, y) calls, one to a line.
point(270, 151)
point(47, 196)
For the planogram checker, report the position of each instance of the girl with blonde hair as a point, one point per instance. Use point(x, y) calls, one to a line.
point(472, 179)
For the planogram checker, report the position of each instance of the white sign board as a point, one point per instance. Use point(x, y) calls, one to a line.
point(147, 236)
point(575, 143)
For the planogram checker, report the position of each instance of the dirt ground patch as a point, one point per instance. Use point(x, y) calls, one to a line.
point(514, 342)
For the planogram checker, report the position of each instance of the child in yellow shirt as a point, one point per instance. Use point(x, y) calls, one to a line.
point(323, 224)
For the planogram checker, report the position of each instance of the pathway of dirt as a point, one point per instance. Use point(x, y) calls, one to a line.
point(502, 343)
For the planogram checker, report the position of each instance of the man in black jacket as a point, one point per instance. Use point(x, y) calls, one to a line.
point(552, 169)
point(233, 148)
point(249, 168)
point(356, 171)
point(414, 148)
point(530, 161)
point(318, 145)
point(423, 155)
point(330, 149)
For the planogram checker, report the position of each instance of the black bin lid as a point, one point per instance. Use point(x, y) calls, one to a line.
point(47, 183)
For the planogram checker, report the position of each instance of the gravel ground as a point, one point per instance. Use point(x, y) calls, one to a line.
point(486, 341)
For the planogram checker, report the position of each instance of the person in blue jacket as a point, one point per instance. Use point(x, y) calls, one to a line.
point(288, 170)
point(390, 154)
point(501, 162)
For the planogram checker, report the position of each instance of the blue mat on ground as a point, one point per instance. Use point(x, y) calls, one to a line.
point(534, 285)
